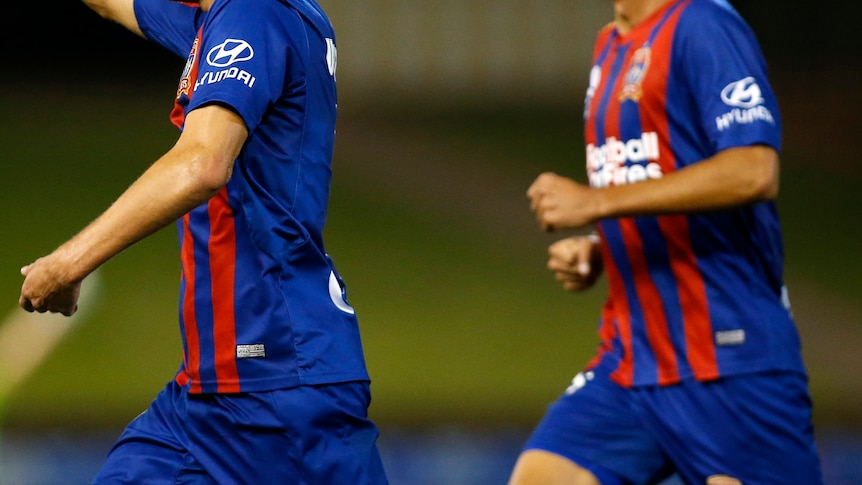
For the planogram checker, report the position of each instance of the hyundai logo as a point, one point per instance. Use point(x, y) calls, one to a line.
point(228, 52)
point(744, 93)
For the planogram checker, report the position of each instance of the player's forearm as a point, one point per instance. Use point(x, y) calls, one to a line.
point(165, 192)
point(732, 178)
point(188, 175)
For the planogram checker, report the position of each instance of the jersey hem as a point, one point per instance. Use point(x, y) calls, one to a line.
point(270, 384)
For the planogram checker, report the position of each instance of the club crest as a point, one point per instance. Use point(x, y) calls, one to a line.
point(638, 67)
point(185, 79)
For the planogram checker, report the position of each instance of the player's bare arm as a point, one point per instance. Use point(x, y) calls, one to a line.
point(576, 261)
point(119, 11)
point(731, 178)
point(189, 174)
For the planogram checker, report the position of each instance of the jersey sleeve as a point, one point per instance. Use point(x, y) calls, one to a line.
point(173, 25)
point(246, 53)
point(723, 66)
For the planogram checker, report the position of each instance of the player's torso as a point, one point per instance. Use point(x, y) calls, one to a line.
point(676, 282)
point(261, 304)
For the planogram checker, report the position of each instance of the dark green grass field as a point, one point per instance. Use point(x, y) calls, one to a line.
point(430, 227)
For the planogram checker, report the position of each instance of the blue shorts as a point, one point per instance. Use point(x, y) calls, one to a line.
point(305, 435)
point(755, 427)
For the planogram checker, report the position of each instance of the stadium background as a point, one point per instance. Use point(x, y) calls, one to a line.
point(448, 111)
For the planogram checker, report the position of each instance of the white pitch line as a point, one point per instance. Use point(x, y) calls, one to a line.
point(27, 338)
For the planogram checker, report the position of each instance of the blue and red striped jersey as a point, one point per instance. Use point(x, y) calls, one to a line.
point(261, 304)
point(691, 295)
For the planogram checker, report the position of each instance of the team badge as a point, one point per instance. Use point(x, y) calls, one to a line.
point(185, 80)
point(638, 67)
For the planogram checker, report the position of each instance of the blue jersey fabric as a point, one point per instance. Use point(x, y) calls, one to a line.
point(697, 295)
point(262, 306)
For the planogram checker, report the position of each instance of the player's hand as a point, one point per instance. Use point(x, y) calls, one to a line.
point(576, 261)
point(560, 202)
point(45, 290)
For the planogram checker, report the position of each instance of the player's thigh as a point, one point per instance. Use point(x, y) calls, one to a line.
point(756, 428)
point(334, 436)
point(594, 425)
point(152, 448)
point(137, 461)
point(539, 467)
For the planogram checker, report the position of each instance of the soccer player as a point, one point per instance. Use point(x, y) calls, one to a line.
point(273, 386)
point(699, 371)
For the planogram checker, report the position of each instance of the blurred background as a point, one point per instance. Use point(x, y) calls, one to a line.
point(448, 111)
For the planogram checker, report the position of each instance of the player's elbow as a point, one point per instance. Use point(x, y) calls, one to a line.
point(761, 177)
point(216, 177)
point(207, 175)
point(769, 191)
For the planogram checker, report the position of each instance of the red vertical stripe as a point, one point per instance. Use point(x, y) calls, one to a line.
point(655, 318)
point(700, 350)
point(222, 250)
point(193, 358)
point(624, 373)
